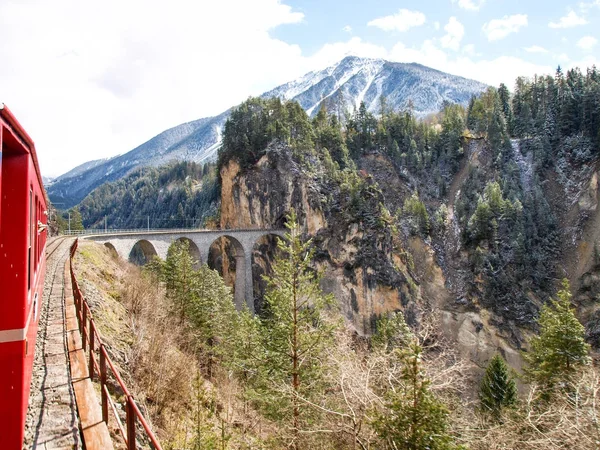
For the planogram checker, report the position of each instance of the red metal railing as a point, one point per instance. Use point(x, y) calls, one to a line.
point(98, 365)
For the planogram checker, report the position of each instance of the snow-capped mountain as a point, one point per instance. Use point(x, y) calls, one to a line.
point(354, 80)
point(342, 86)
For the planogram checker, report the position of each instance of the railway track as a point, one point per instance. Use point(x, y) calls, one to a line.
point(53, 246)
point(52, 420)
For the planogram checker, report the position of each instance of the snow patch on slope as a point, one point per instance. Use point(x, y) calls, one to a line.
point(525, 164)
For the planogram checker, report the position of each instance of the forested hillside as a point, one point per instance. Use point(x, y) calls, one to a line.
point(427, 262)
point(180, 195)
point(497, 189)
point(490, 187)
point(344, 85)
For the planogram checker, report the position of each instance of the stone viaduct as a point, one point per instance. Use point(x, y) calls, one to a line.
point(152, 243)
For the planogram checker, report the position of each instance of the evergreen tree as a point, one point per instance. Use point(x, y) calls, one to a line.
point(295, 337)
point(211, 314)
point(415, 213)
point(392, 332)
point(75, 222)
point(560, 348)
point(204, 436)
point(179, 277)
point(413, 418)
point(328, 136)
point(453, 125)
point(498, 388)
point(504, 95)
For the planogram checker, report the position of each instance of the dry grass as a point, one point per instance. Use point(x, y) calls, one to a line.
point(156, 356)
point(567, 421)
point(143, 341)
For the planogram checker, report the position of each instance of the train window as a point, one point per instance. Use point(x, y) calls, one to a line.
point(37, 234)
point(38, 238)
point(35, 238)
point(29, 239)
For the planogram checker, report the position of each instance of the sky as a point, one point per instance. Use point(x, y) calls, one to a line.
point(90, 80)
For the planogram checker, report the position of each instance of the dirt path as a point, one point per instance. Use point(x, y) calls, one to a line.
point(52, 420)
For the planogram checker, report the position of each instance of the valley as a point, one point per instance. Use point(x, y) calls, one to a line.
point(446, 237)
point(300, 225)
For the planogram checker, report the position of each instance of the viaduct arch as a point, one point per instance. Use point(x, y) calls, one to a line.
point(158, 242)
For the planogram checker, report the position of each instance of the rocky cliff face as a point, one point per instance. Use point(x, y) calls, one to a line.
point(262, 196)
point(361, 266)
point(582, 250)
point(365, 265)
point(372, 269)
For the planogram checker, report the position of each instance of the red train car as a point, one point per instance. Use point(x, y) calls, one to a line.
point(23, 219)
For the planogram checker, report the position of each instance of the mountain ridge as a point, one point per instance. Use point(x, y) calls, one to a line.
point(345, 84)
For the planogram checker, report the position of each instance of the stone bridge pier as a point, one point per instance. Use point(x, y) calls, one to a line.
point(158, 242)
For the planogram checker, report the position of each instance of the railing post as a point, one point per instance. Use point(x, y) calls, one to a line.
point(77, 296)
point(130, 424)
point(103, 383)
point(83, 328)
point(91, 361)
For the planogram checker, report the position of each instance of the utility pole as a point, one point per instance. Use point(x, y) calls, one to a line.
point(69, 222)
point(148, 223)
point(105, 227)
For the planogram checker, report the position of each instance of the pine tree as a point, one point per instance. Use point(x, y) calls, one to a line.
point(211, 314)
point(243, 350)
point(498, 388)
point(75, 221)
point(415, 213)
point(392, 332)
point(179, 277)
point(560, 348)
point(504, 95)
point(295, 337)
point(453, 125)
point(413, 418)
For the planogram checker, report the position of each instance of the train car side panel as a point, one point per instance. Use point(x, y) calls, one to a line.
point(22, 267)
point(1, 129)
point(13, 308)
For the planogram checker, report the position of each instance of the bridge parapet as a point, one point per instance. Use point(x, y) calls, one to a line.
point(110, 232)
point(243, 240)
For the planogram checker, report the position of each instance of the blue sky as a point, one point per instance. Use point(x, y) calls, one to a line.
point(91, 80)
point(333, 21)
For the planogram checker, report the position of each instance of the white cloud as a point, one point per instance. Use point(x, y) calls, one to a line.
point(586, 6)
point(587, 42)
point(347, 29)
point(470, 5)
point(469, 49)
point(402, 21)
point(504, 69)
point(535, 49)
point(333, 52)
point(569, 21)
point(113, 81)
point(587, 61)
point(454, 34)
point(500, 28)
point(436, 25)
